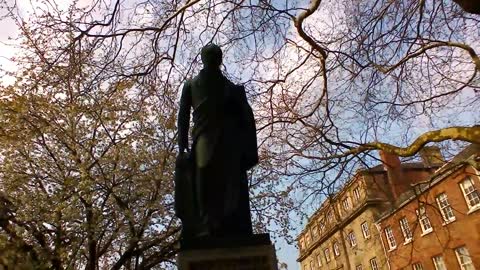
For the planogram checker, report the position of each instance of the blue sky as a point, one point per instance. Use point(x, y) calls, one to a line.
point(8, 32)
point(288, 253)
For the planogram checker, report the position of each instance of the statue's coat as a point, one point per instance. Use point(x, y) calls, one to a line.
point(224, 147)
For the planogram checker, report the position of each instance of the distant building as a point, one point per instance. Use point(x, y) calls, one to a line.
point(436, 225)
point(342, 234)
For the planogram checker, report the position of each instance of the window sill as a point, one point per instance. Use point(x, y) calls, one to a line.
point(392, 249)
point(473, 209)
point(408, 241)
point(445, 223)
point(426, 232)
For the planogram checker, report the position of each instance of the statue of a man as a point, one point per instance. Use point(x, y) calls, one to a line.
point(215, 202)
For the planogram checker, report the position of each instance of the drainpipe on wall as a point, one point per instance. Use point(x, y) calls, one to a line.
point(344, 246)
point(342, 233)
point(383, 245)
point(475, 166)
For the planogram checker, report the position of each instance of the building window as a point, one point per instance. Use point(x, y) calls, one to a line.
point(359, 267)
point(373, 263)
point(392, 243)
point(307, 238)
point(306, 267)
point(424, 220)
point(319, 260)
point(390, 238)
point(464, 259)
point(322, 225)
point(417, 266)
point(346, 204)
point(336, 249)
point(330, 217)
point(407, 234)
point(314, 232)
point(356, 194)
point(327, 255)
point(470, 193)
point(439, 263)
point(445, 208)
point(365, 231)
point(352, 239)
point(312, 265)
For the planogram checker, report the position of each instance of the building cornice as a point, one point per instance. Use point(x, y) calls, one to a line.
point(333, 199)
point(333, 229)
point(330, 202)
point(440, 175)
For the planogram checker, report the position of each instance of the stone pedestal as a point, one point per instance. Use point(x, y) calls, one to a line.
point(231, 253)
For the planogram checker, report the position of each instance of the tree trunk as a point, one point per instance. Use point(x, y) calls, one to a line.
point(92, 243)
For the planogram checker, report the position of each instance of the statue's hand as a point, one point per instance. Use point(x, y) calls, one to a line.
point(182, 162)
point(182, 149)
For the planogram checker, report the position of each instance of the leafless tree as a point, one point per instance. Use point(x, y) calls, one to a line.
point(331, 81)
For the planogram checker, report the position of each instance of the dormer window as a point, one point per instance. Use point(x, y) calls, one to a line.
point(346, 204)
point(356, 194)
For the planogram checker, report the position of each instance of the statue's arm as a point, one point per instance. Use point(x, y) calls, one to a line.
point(251, 158)
point(184, 116)
point(248, 110)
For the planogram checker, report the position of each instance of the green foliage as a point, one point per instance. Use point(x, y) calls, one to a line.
point(86, 167)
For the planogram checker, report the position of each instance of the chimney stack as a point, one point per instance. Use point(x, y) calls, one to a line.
point(431, 156)
point(393, 166)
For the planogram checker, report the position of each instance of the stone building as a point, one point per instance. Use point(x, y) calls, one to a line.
point(436, 225)
point(342, 234)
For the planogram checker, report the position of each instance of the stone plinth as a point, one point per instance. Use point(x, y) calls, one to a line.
point(231, 253)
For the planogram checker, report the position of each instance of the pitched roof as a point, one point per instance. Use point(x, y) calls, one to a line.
point(473, 150)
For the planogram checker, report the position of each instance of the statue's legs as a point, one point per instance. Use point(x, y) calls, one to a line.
point(239, 221)
point(222, 189)
point(210, 200)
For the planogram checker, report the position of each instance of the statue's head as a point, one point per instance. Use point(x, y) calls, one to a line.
point(211, 56)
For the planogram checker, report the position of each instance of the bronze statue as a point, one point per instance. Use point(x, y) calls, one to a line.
point(211, 193)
